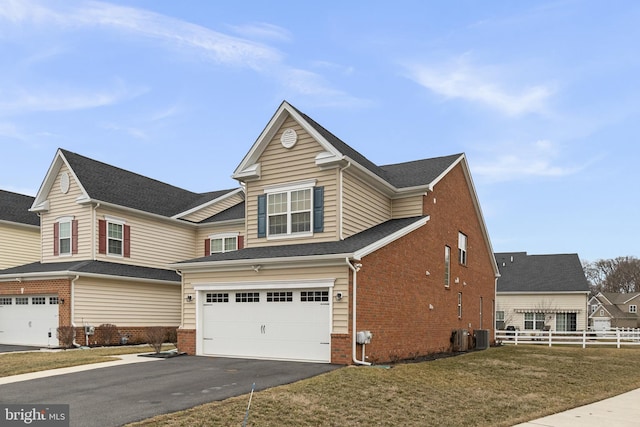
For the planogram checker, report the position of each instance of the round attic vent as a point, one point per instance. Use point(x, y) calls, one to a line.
point(64, 182)
point(288, 138)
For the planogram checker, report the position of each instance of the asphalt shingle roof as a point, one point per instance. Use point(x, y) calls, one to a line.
point(15, 207)
point(349, 245)
point(95, 267)
point(111, 184)
point(520, 272)
point(234, 212)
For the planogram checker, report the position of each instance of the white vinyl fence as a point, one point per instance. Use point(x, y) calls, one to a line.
point(613, 337)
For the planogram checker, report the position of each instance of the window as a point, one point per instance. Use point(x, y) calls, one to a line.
point(459, 305)
point(462, 248)
point(594, 307)
point(22, 300)
point(447, 266)
point(633, 308)
point(54, 300)
point(6, 301)
point(566, 322)
point(217, 297)
point(38, 300)
point(247, 297)
point(64, 237)
point(114, 238)
point(279, 296)
point(314, 296)
point(500, 319)
point(291, 210)
point(223, 244)
point(534, 321)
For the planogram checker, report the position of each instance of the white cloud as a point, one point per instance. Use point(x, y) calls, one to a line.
point(480, 85)
point(10, 131)
point(313, 85)
point(516, 161)
point(262, 30)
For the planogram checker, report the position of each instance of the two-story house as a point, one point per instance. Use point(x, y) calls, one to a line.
point(614, 310)
point(106, 238)
point(541, 292)
point(343, 261)
point(19, 230)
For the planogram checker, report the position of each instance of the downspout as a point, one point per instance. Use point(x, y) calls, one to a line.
point(353, 315)
point(181, 297)
point(93, 231)
point(341, 205)
point(72, 307)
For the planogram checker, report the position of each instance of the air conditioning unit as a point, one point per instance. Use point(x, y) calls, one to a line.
point(89, 330)
point(460, 340)
point(482, 339)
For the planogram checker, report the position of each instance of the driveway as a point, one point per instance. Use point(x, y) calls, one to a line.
point(8, 348)
point(118, 395)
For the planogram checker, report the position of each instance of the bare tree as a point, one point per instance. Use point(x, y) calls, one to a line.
point(621, 274)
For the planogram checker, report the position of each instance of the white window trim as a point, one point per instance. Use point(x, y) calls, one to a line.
point(222, 236)
point(308, 184)
point(633, 308)
point(462, 252)
point(61, 220)
point(118, 221)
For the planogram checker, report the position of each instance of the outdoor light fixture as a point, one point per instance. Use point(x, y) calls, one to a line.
point(189, 298)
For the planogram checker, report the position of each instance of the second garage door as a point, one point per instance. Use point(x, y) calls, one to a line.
point(29, 320)
point(288, 324)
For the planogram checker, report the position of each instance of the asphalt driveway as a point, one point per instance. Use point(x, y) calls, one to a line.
point(8, 348)
point(118, 395)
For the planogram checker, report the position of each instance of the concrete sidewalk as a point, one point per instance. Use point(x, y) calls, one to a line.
point(125, 359)
point(617, 411)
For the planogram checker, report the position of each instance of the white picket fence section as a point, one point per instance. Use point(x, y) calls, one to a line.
point(618, 337)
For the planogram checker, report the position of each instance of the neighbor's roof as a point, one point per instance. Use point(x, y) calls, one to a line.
point(114, 185)
point(619, 298)
point(520, 272)
point(350, 245)
point(14, 207)
point(100, 268)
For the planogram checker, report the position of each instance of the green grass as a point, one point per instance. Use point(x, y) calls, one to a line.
point(498, 387)
point(22, 363)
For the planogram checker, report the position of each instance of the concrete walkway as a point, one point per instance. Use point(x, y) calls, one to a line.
point(617, 411)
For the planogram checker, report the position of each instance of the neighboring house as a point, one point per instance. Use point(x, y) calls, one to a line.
point(19, 230)
point(614, 310)
point(106, 237)
point(541, 292)
point(338, 252)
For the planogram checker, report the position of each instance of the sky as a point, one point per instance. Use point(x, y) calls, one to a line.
point(541, 96)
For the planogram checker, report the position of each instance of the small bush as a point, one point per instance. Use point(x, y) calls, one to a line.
point(172, 336)
point(66, 335)
point(156, 336)
point(107, 333)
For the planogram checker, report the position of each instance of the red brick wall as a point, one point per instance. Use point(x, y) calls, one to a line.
point(411, 313)
point(187, 341)
point(59, 287)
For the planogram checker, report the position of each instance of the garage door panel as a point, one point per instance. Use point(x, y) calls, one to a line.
point(29, 320)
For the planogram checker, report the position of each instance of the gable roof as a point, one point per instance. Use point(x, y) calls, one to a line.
point(235, 212)
point(14, 207)
point(355, 246)
point(617, 298)
point(89, 268)
point(520, 272)
point(105, 183)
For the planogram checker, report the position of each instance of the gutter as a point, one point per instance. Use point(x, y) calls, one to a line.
point(355, 270)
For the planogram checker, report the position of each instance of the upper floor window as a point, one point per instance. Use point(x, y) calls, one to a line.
point(114, 237)
point(65, 236)
point(459, 305)
point(633, 308)
point(220, 243)
point(447, 266)
point(462, 248)
point(291, 210)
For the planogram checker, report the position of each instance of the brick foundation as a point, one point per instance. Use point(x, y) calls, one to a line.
point(187, 341)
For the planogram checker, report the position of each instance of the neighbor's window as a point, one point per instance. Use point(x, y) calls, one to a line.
point(633, 308)
point(64, 237)
point(462, 248)
point(499, 316)
point(447, 266)
point(566, 322)
point(534, 321)
point(114, 238)
point(459, 305)
point(223, 244)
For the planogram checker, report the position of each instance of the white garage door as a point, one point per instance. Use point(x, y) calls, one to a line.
point(601, 324)
point(288, 324)
point(29, 320)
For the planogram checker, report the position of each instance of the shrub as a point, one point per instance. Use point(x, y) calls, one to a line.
point(172, 336)
point(66, 335)
point(156, 336)
point(107, 333)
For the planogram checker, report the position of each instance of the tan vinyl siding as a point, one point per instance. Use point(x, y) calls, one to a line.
point(340, 316)
point(154, 242)
point(363, 206)
point(19, 245)
point(204, 232)
point(281, 166)
point(61, 205)
point(215, 208)
point(407, 207)
point(125, 303)
point(513, 306)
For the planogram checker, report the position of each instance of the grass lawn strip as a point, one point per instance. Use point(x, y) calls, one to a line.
point(498, 387)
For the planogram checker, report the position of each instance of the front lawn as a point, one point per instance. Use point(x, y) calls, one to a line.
point(498, 387)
